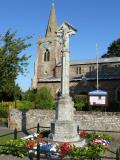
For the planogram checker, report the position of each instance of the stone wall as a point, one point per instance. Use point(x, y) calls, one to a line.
point(86, 120)
point(23, 119)
point(107, 121)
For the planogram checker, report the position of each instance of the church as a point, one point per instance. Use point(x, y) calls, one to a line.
point(83, 73)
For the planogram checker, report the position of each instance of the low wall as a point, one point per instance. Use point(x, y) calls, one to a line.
point(21, 119)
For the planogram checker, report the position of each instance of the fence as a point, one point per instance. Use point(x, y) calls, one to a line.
point(39, 151)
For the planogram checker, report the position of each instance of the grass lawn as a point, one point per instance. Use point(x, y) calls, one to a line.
point(4, 139)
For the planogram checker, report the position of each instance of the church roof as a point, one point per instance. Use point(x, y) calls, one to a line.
point(52, 23)
point(100, 60)
point(92, 61)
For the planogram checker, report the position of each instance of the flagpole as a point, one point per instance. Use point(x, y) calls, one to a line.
point(97, 66)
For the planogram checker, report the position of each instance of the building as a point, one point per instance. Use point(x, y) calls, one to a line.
point(82, 73)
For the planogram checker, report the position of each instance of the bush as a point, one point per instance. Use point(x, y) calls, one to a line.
point(24, 105)
point(44, 99)
point(4, 112)
point(19, 105)
point(15, 148)
point(7, 104)
point(29, 95)
point(113, 107)
point(80, 102)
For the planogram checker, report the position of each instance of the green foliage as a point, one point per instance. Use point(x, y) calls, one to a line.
point(90, 152)
point(114, 107)
point(4, 121)
point(45, 133)
point(11, 63)
point(17, 93)
point(94, 135)
point(44, 99)
point(24, 105)
point(29, 95)
point(14, 147)
point(80, 102)
point(19, 105)
point(94, 151)
point(113, 49)
point(4, 112)
point(5, 139)
point(6, 104)
point(40, 99)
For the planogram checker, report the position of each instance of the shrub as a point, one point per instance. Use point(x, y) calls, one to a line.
point(14, 147)
point(4, 112)
point(24, 105)
point(29, 95)
point(113, 107)
point(80, 102)
point(44, 99)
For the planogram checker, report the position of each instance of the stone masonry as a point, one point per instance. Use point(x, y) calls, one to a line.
point(108, 121)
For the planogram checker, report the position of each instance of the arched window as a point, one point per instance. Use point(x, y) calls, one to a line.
point(78, 70)
point(47, 55)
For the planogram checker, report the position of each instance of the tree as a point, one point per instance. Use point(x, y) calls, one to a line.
point(44, 99)
point(29, 95)
point(113, 50)
point(11, 62)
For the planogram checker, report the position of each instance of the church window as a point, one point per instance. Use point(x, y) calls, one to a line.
point(90, 68)
point(104, 66)
point(47, 56)
point(78, 70)
point(93, 68)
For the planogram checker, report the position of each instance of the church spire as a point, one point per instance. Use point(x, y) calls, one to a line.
point(52, 23)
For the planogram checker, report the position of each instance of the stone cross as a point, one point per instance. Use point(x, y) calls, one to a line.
point(64, 128)
point(64, 33)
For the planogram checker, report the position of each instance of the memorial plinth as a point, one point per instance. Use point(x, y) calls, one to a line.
point(64, 128)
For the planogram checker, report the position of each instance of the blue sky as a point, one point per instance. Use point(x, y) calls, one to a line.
point(97, 21)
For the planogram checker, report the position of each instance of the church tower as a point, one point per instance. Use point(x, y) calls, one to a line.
point(48, 51)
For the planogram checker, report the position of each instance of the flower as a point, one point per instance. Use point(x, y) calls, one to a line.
point(83, 134)
point(64, 149)
point(101, 141)
point(30, 144)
